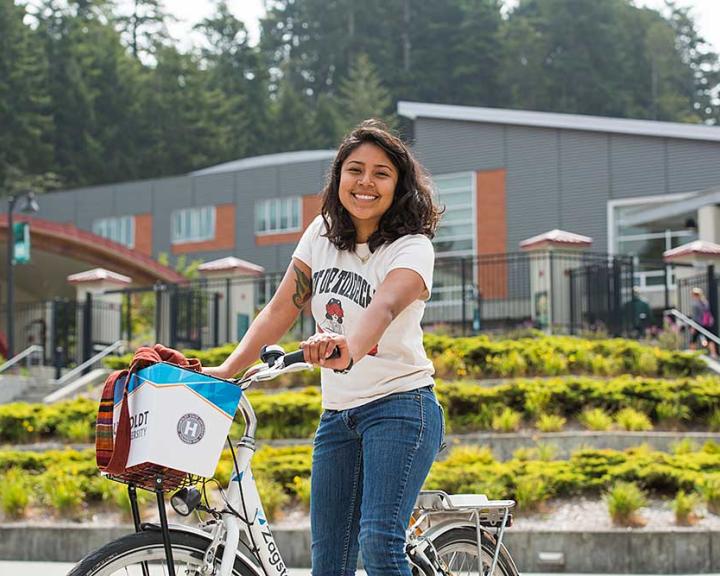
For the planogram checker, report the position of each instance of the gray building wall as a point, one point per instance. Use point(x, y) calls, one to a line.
point(556, 178)
point(560, 178)
point(161, 196)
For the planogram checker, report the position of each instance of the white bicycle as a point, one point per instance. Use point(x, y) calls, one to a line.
point(448, 534)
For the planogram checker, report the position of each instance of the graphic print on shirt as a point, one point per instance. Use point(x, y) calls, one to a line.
point(334, 281)
point(334, 314)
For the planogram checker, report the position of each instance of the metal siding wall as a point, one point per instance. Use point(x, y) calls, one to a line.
point(300, 179)
point(445, 146)
point(252, 185)
point(58, 206)
point(168, 194)
point(637, 166)
point(532, 183)
point(584, 184)
point(692, 166)
point(93, 203)
point(132, 198)
point(213, 189)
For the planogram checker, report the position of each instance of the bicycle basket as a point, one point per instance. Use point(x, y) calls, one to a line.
point(179, 420)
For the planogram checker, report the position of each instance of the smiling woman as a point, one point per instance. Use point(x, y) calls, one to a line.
point(365, 267)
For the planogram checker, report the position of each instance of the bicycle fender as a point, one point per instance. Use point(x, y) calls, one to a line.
point(446, 525)
point(249, 562)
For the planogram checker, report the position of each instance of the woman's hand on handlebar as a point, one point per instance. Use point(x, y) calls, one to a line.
point(319, 347)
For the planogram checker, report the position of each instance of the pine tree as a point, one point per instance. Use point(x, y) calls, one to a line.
point(362, 96)
point(25, 151)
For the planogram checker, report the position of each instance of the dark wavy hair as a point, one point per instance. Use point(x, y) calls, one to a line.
point(413, 209)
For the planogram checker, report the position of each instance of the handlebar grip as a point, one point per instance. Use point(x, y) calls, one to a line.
point(299, 356)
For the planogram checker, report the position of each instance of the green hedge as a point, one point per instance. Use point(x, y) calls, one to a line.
point(69, 482)
point(481, 357)
point(468, 406)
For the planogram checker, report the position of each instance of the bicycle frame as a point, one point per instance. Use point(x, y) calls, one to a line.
point(244, 508)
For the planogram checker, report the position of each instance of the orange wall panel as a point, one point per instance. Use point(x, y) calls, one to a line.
point(491, 231)
point(143, 233)
point(224, 233)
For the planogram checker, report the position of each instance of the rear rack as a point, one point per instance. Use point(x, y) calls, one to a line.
point(491, 513)
point(146, 476)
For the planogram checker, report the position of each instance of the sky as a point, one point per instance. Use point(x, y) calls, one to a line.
point(706, 12)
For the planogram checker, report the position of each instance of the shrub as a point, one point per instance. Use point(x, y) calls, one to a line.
point(710, 491)
point(272, 496)
point(632, 420)
point(15, 493)
point(550, 423)
point(76, 430)
point(596, 419)
point(714, 421)
point(684, 508)
point(530, 493)
point(63, 490)
point(624, 500)
point(301, 488)
point(672, 412)
point(684, 446)
point(507, 421)
point(547, 451)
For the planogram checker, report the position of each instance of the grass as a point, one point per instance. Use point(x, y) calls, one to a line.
point(596, 419)
point(624, 500)
point(633, 421)
point(507, 421)
point(550, 423)
point(684, 506)
point(15, 493)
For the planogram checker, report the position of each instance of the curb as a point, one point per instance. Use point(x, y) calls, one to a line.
point(672, 551)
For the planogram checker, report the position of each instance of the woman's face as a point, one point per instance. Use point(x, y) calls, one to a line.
point(367, 186)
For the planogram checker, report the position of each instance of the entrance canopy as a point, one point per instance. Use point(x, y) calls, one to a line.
point(61, 249)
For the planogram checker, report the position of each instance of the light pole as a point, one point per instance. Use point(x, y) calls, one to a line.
point(30, 206)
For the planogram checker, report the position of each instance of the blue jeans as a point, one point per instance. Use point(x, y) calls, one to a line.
point(369, 464)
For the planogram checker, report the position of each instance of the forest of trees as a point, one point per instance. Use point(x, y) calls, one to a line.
point(89, 96)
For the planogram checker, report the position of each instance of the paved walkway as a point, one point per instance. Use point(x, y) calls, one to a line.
point(61, 569)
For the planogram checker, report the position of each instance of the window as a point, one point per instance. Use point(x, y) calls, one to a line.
point(277, 215)
point(120, 229)
point(646, 242)
point(193, 224)
point(456, 234)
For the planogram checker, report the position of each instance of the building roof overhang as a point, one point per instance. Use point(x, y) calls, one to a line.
point(693, 202)
point(414, 110)
point(281, 159)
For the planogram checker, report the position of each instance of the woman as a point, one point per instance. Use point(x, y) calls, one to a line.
point(366, 265)
point(702, 315)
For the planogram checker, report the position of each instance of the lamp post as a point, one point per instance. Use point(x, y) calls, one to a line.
point(29, 206)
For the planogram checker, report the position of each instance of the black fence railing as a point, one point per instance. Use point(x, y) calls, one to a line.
point(69, 331)
point(562, 292)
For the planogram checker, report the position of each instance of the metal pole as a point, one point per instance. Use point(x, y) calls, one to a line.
point(128, 317)
point(462, 282)
point(87, 338)
point(712, 296)
point(10, 280)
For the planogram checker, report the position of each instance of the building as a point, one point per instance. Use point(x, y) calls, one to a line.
point(634, 187)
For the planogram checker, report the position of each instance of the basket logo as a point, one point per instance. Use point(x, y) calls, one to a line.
point(191, 428)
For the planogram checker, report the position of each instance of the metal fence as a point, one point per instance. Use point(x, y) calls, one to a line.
point(69, 331)
point(556, 291)
point(562, 292)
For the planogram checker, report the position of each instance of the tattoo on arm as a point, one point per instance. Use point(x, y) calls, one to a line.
point(303, 288)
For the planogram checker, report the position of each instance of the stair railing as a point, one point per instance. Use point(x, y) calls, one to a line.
point(89, 362)
point(692, 324)
point(27, 353)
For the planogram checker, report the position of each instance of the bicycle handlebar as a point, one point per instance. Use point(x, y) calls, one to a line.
point(299, 356)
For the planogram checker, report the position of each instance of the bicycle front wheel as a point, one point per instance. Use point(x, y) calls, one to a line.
point(127, 555)
point(458, 552)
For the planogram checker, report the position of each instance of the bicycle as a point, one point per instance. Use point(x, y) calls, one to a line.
point(448, 534)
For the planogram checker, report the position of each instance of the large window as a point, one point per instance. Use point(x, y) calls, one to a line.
point(456, 234)
point(120, 229)
point(193, 224)
point(277, 215)
point(646, 242)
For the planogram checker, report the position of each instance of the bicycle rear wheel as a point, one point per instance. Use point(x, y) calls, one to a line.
point(126, 555)
point(457, 550)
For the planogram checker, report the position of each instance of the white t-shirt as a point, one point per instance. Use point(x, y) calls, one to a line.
point(343, 284)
